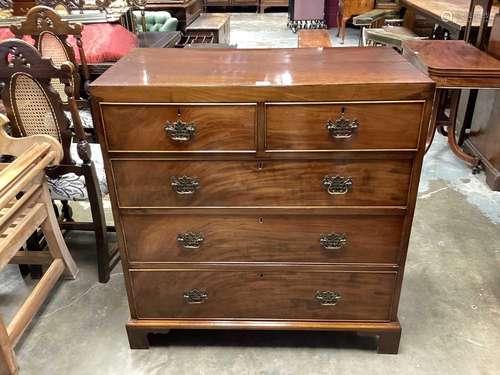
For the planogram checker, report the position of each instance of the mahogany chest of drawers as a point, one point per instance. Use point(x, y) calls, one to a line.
point(263, 189)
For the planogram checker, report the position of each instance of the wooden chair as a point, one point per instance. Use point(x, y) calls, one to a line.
point(349, 8)
point(34, 107)
point(25, 205)
point(51, 33)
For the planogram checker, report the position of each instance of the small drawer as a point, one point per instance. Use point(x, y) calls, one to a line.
point(171, 183)
point(267, 238)
point(263, 294)
point(369, 126)
point(177, 128)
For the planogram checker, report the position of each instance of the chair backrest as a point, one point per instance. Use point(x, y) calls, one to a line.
point(494, 42)
point(485, 6)
point(63, 6)
point(32, 104)
point(50, 33)
point(140, 6)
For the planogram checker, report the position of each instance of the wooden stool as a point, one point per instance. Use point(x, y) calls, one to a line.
point(25, 206)
point(314, 39)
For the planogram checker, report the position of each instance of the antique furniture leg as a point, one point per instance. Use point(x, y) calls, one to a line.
point(388, 342)
point(452, 141)
point(7, 359)
point(97, 209)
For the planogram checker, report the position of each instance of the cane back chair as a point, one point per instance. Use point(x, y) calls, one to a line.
point(24, 206)
point(34, 107)
point(51, 33)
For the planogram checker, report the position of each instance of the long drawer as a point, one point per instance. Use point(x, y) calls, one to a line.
point(233, 238)
point(180, 127)
point(268, 183)
point(343, 126)
point(263, 294)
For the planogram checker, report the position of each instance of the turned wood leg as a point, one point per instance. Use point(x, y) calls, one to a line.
point(339, 22)
point(388, 342)
point(344, 27)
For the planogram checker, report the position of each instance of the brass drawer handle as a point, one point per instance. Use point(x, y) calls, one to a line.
point(190, 240)
point(185, 185)
point(333, 241)
point(180, 131)
point(328, 298)
point(342, 127)
point(195, 296)
point(337, 185)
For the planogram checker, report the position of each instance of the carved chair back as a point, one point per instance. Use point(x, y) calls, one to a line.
point(63, 6)
point(485, 6)
point(50, 33)
point(33, 106)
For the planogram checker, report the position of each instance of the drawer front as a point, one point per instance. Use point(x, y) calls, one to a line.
point(293, 238)
point(150, 183)
point(190, 127)
point(263, 294)
point(343, 126)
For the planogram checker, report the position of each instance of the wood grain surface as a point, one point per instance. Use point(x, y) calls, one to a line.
point(235, 238)
point(263, 294)
point(265, 183)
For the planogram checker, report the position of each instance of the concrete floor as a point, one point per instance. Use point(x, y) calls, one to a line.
point(449, 308)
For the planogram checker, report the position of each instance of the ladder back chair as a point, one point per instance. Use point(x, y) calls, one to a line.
point(25, 205)
point(34, 107)
point(50, 34)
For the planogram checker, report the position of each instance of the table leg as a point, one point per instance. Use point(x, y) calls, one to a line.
point(452, 141)
point(439, 94)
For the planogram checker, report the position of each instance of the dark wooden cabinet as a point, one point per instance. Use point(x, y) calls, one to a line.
point(263, 189)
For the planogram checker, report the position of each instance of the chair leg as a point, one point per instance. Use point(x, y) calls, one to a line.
point(67, 211)
point(97, 209)
point(344, 27)
point(55, 240)
point(7, 359)
point(339, 22)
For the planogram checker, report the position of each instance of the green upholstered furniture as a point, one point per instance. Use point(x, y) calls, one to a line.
point(159, 21)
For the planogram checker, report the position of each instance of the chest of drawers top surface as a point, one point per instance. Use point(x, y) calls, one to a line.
point(261, 75)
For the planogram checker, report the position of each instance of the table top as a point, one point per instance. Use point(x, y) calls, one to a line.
point(452, 12)
point(454, 63)
point(370, 72)
point(209, 21)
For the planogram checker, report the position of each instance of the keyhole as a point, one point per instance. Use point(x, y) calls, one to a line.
point(261, 275)
point(261, 220)
point(178, 112)
point(260, 166)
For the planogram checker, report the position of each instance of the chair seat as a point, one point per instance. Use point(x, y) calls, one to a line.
point(390, 35)
point(366, 19)
point(85, 117)
point(72, 187)
point(156, 21)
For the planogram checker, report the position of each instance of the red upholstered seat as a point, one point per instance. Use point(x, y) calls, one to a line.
point(103, 42)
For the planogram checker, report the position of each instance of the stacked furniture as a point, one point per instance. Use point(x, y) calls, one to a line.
point(25, 205)
point(251, 198)
point(34, 107)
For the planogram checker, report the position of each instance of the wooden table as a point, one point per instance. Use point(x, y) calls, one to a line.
point(215, 25)
point(185, 12)
point(314, 39)
point(449, 14)
point(453, 65)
